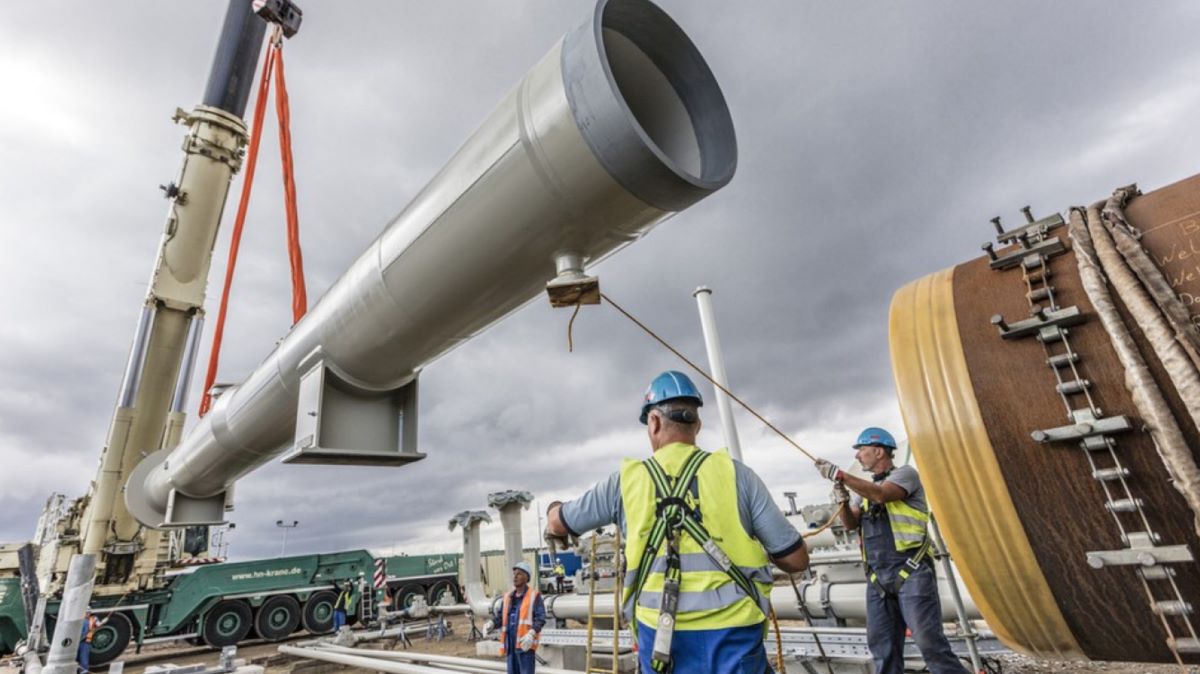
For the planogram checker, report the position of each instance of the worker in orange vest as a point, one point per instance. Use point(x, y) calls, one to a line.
point(90, 624)
point(521, 618)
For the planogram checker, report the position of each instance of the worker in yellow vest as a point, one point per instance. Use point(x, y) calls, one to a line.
point(521, 618)
point(700, 531)
point(892, 517)
point(347, 598)
point(560, 574)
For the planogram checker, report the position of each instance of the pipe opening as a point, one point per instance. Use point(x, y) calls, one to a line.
point(668, 89)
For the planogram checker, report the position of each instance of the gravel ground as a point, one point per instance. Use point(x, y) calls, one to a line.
point(267, 654)
point(1020, 664)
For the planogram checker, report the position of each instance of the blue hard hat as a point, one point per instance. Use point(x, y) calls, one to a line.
point(669, 385)
point(875, 437)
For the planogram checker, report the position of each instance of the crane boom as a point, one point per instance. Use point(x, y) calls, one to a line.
point(155, 384)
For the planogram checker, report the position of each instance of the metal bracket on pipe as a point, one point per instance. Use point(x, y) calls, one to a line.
point(1037, 229)
point(1044, 248)
point(1044, 318)
point(572, 287)
point(1144, 554)
point(1083, 430)
point(341, 422)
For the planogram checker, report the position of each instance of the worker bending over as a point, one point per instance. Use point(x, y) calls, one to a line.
point(695, 527)
point(521, 618)
point(892, 516)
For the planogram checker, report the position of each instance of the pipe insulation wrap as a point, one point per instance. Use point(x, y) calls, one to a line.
point(1146, 395)
point(1156, 310)
point(621, 124)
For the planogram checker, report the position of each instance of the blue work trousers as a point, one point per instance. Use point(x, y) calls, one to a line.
point(519, 662)
point(84, 655)
point(916, 607)
point(736, 650)
point(339, 618)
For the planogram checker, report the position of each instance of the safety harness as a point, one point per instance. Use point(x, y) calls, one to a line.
point(673, 515)
point(911, 565)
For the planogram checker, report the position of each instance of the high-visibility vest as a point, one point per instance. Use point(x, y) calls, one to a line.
point(708, 597)
point(93, 623)
point(560, 570)
point(343, 601)
point(910, 526)
point(910, 536)
point(524, 619)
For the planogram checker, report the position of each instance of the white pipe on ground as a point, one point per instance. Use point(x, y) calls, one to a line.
point(848, 601)
point(359, 661)
point(414, 656)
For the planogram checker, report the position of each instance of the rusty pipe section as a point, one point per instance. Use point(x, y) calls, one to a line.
point(620, 125)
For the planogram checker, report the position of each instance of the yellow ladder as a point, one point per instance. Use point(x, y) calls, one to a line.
point(615, 616)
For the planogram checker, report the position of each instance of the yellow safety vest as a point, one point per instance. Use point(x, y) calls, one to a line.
point(910, 526)
point(708, 597)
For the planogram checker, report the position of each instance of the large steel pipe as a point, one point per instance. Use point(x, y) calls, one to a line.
point(1072, 532)
point(621, 124)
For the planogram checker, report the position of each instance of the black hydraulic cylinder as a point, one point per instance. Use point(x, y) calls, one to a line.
point(236, 59)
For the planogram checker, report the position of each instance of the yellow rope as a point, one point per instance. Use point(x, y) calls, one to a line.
point(570, 327)
point(699, 370)
point(704, 374)
point(833, 519)
point(778, 643)
point(837, 513)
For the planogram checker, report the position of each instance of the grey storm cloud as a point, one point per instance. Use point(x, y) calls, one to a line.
point(875, 142)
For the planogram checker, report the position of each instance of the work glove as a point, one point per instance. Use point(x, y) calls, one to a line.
point(840, 493)
point(526, 642)
point(488, 627)
point(829, 471)
point(563, 543)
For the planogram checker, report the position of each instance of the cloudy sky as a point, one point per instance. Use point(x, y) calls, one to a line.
point(875, 139)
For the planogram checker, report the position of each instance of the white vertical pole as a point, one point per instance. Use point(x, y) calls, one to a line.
point(68, 630)
point(716, 363)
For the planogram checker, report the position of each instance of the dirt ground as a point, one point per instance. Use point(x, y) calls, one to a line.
point(1019, 664)
point(268, 655)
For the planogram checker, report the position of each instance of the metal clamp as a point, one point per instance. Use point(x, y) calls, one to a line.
point(1042, 318)
point(1083, 429)
point(1045, 248)
point(1142, 552)
point(1032, 227)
